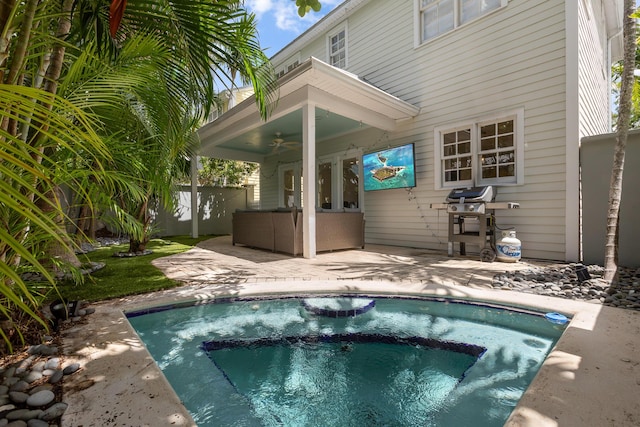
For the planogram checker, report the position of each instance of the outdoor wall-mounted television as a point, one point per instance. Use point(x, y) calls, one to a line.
point(390, 168)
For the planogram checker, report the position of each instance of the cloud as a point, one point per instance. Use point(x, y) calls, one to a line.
point(259, 7)
point(287, 19)
point(284, 13)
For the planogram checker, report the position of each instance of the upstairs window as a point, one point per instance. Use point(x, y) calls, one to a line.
point(293, 65)
point(288, 66)
point(436, 17)
point(440, 16)
point(472, 9)
point(338, 48)
point(485, 152)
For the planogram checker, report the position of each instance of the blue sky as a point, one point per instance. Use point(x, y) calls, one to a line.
point(279, 23)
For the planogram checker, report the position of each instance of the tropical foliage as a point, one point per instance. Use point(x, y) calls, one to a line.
point(225, 173)
point(92, 123)
point(305, 6)
point(28, 214)
point(616, 74)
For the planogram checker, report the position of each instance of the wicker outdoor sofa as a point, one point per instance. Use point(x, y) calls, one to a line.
point(281, 230)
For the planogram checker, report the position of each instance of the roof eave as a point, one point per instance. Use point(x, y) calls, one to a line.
point(321, 77)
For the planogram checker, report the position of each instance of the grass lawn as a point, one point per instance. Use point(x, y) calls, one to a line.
point(127, 276)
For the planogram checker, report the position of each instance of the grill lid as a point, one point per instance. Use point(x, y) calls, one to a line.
point(472, 194)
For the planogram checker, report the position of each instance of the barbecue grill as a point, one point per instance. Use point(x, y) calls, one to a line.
point(477, 204)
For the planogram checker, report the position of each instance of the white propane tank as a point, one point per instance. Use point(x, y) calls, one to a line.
point(509, 248)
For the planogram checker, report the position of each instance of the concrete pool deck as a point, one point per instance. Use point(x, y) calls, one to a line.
point(591, 378)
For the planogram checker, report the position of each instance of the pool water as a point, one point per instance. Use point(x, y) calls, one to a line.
point(401, 362)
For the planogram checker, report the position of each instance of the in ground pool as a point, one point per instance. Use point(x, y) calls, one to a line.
point(347, 361)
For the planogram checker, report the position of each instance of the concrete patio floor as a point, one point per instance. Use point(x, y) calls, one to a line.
point(591, 378)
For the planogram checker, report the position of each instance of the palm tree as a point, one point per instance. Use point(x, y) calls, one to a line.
point(622, 131)
point(166, 136)
point(70, 104)
point(208, 42)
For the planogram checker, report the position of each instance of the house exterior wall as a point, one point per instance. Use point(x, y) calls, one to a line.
point(594, 71)
point(513, 58)
point(593, 104)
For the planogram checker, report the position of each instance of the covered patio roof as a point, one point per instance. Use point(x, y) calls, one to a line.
point(343, 104)
point(316, 102)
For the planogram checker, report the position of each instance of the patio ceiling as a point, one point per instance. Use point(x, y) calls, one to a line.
point(343, 104)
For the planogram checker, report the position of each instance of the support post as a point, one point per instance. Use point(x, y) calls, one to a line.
point(194, 197)
point(309, 179)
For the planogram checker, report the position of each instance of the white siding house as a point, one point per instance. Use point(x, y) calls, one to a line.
point(443, 75)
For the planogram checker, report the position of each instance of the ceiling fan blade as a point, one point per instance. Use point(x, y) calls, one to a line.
point(279, 142)
point(291, 143)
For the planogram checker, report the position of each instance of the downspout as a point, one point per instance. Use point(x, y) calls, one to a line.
point(572, 134)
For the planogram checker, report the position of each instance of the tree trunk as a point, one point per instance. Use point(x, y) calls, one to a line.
point(19, 54)
point(84, 218)
point(91, 232)
point(57, 250)
point(138, 246)
point(622, 131)
point(6, 7)
point(64, 254)
point(56, 60)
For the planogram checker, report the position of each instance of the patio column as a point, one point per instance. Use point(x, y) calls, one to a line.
point(309, 180)
point(194, 197)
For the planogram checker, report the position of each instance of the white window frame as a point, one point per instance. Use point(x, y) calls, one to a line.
point(474, 124)
point(439, 154)
point(420, 8)
point(297, 179)
point(336, 31)
point(337, 191)
point(349, 154)
point(334, 184)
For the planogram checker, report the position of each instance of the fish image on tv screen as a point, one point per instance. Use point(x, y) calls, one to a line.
point(390, 168)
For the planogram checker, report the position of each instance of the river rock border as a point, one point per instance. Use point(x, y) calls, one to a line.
point(576, 281)
point(132, 254)
point(31, 382)
point(85, 270)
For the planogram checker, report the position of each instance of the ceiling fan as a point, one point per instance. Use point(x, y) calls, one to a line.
point(278, 142)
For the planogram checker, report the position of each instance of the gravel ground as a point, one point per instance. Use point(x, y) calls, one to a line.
point(578, 282)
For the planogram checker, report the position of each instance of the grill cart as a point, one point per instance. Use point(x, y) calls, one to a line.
point(477, 204)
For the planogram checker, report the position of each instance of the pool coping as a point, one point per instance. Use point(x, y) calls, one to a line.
point(591, 377)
